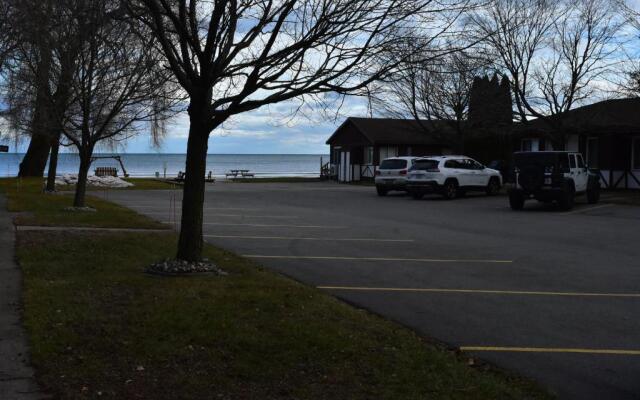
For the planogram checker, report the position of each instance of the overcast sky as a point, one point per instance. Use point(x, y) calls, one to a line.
point(263, 131)
point(270, 130)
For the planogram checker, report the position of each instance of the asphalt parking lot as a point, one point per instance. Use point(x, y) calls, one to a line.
point(551, 295)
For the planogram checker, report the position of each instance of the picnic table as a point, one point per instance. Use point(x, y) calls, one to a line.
point(245, 173)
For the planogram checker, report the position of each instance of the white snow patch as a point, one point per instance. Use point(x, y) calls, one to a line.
point(99, 181)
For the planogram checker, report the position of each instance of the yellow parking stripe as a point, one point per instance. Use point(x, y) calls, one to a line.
point(551, 350)
point(480, 291)
point(425, 260)
point(584, 210)
point(330, 239)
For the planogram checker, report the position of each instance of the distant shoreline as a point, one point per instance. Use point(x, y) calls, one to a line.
point(170, 164)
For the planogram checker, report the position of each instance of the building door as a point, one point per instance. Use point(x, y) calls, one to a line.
point(344, 170)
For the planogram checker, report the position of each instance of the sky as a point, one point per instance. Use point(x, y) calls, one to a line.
point(269, 130)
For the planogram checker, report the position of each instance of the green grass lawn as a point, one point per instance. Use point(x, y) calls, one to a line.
point(101, 328)
point(26, 196)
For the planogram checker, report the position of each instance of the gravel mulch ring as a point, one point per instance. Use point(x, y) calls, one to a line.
point(184, 268)
point(80, 209)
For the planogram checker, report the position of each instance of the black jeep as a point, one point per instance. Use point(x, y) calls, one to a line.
point(552, 176)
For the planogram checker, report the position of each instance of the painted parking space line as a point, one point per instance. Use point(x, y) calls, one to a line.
point(583, 210)
point(625, 352)
point(479, 291)
point(423, 260)
point(270, 225)
point(320, 239)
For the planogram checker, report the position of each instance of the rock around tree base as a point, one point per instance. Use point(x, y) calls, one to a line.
point(182, 268)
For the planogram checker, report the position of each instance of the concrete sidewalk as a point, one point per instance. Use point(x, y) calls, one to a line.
point(16, 375)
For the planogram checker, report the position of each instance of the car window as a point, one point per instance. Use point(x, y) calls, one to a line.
point(572, 160)
point(423, 165)
point(451, 164)
point(580, 160)
point(393, 164)
point(465, 164)
point(476, 165)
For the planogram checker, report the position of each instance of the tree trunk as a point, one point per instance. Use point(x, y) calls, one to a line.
point(53, 165)
point(35, 159)
point(190, 242)
point(81, 186)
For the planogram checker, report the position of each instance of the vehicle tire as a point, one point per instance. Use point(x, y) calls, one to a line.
point(567, 200)
point(516, 200)
point(493, 187)
point(593, 194)
point(417, 195)
point(381, 191)
point(450, 189)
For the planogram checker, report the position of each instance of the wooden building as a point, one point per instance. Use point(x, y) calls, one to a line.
point(359, 144)
point(606, 133)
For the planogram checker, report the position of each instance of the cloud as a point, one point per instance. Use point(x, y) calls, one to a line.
point(294, 126)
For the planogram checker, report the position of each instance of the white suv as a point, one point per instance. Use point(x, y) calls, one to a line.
point(392, 174)
point(451, 176)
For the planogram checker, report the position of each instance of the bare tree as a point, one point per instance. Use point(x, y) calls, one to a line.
point(37, 78)
point(32, 24)
point(584, 45)
point(7, 37)
point(434, 92)
point(631, 86)
point(231, 57)
point(118, 87)
point(553, 51)
point(515, 32)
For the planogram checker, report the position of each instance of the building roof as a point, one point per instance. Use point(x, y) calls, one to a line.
point(396, 131)
point(609, 116)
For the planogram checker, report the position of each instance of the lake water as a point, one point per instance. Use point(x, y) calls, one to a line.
point(148, 164)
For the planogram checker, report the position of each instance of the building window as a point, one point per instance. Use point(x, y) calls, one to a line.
point(635, 163)
point(527, 145)
point(368, 155)
point(388, 152)
point(592, 152)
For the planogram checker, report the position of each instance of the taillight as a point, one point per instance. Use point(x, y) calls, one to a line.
point(403, 172)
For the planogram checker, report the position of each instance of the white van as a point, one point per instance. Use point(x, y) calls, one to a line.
point(392, 174)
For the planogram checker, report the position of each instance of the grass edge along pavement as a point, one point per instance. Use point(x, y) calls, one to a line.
point(100, 327)
point(25, 196)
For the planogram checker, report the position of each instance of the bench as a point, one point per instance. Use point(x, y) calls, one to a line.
point(106, 171)
point(232, 174)
point(247, 174)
